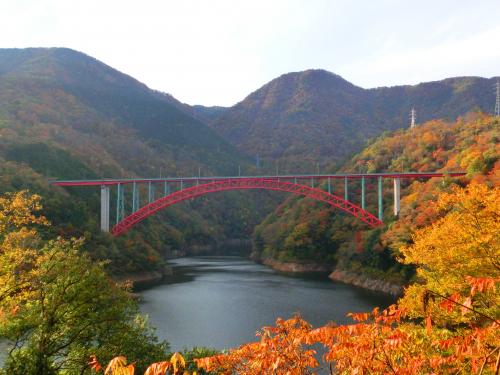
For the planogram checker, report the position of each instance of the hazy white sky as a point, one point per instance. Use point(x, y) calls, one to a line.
point(215, 52)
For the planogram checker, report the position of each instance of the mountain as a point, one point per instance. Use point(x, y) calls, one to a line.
point(66, 115)
point(73, 82)
point(207, 114)
point(300, 119)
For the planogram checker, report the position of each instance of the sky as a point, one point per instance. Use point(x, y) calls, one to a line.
point(216, 52)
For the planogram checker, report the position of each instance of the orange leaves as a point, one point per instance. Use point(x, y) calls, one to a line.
point(118, 366)
point(94, 364)
point(281, 350)
point(158, 368)
point(15, 310)
point(379, 343)
point(481, 284)
point(450, 302)
point(359, 317)
point(428, 324)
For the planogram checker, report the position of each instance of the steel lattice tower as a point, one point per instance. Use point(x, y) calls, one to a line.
point(413, 118)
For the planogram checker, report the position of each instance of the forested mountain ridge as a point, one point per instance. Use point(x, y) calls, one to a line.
point(305, 231)
point(100, 93)
point(66, 115)
point(300, 119)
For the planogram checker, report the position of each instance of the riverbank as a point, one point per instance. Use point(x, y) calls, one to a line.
point(145, 279)
point(338, 275)
point(366, 282)
point(296, 267)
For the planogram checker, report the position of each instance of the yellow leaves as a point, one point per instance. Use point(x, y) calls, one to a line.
point(118, 366)
point(460, 252)
point(158, 368)
point(19, 210)
point(178, 363)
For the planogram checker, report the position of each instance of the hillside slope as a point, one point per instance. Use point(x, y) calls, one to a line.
point(66, 115)
point(304, 118)
point(305, 231)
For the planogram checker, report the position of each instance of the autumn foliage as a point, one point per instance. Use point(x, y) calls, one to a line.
point(119, 366)
point(448, 322)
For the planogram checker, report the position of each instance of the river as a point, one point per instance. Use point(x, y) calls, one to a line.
point(220, 302)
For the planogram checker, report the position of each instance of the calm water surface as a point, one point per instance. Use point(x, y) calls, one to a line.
point(221, 302)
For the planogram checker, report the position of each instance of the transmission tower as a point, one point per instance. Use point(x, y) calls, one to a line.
point(497, 103)
point(413, 118)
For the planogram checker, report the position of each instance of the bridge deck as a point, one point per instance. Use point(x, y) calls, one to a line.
point(298, 177)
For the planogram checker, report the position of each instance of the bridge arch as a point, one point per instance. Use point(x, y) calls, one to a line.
point(243, 184)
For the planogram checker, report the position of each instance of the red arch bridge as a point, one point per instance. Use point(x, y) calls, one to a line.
point(178, 189)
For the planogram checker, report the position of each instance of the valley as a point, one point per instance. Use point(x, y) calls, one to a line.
point(236, 216)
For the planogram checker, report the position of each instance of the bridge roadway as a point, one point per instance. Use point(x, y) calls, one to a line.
point(307, 185)
point(298, 177)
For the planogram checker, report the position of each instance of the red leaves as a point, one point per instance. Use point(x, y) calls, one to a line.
point(359, 317)
point(481, 284)
point(94, 364)
point(450, 303)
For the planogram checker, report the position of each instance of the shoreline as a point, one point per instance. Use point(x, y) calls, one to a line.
point(337, 275)
point(295, 267)
point(144, 279)
point(366, 282)
point(148, 279)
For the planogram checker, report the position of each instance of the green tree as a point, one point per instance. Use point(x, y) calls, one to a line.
point(57, 306)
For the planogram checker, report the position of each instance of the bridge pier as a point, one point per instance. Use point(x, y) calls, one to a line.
point(135, 197)
point(380, 200)
point(104, 208)
point(397, 196)
point(166, 190)
point(346, 189)
point(120, 202)
point(151, 194)
point(363, 192)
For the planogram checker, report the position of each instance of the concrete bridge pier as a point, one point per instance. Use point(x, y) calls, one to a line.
point(105, 208)
point(397, 196)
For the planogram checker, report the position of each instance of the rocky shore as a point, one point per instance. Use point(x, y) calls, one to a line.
point(366, 282)
point(346, 277)
point(296, 267)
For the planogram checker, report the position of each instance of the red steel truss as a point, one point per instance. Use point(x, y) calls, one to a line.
point(240, 184)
